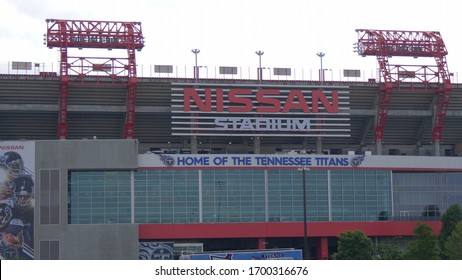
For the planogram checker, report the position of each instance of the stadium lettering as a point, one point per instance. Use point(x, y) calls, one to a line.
point(12, 147)
point(267, 101)
point(262, 124)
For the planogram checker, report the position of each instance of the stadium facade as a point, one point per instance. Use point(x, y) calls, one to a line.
point(220, 164)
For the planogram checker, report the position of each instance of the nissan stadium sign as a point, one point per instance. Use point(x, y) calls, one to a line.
point(247, 110)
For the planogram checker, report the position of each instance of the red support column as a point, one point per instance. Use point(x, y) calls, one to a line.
point(80, 34)
point(63, 101)
point(322, 251)
point(384, 93)
point(129, 131)
point(387, 43)
point(443, 98)
point(384, 100)
point(261, 243)
point(63, 83)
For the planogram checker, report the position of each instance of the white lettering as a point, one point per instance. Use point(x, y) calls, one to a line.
point(262, 124)
point(221, 123)
point(247, 124)
point(302, 123)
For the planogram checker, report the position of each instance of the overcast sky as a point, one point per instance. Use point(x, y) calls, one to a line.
point(290, 32)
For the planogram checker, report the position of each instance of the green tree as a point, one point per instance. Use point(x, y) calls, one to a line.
point(389, 252)
point(353, 245)
point(449, 220)
point(453, 245)
point(424, 247)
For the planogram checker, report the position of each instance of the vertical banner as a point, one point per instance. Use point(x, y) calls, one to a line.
point(17, 202)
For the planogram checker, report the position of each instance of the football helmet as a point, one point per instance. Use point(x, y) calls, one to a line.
point(23, 191)
point(14, 163)
point(5, 214)
point(5, 191)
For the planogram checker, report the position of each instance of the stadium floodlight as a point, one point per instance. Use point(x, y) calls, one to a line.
point(196, 69)
point(306, 249)
point(260, 72)
point(321, 72)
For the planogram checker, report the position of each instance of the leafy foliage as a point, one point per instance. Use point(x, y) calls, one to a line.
point(424, 247)
point(388, 252)
point(450, 218)
point(353, 245)
point(453, 245)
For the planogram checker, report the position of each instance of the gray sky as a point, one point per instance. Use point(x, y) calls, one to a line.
point(228, 33)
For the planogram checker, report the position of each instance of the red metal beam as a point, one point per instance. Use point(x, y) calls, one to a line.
point(384, 97)
point(387, 43)
point(401, 43)
point(266, 230)
point(96, 34)
point(443, 98)
point(98, 68)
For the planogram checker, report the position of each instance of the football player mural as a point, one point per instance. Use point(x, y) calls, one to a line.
point(17, 164)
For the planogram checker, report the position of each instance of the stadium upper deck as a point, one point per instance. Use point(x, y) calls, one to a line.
point(29, 110)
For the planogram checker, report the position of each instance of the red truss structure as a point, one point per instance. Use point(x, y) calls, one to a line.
point(65, 34)
point(387, 43)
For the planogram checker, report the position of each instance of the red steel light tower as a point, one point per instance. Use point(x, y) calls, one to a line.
point(65, 34)
point(387, 43)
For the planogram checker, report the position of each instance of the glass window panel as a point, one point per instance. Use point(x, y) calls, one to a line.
point(422, 189)
point(99, 197)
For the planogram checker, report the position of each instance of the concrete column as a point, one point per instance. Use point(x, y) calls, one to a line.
point(256, 145)
point(185, 142)
point(193, 144)
point(378, 147)
point(245, 144)
point(319, 145)
point(437, 148)
point(305, 144)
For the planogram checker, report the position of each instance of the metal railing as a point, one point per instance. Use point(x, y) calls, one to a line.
point(210, 72)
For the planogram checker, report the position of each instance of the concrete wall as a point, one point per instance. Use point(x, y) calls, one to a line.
point(92, 242)
point(109, 241)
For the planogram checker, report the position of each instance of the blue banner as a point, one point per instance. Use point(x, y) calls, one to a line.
point(250, 255)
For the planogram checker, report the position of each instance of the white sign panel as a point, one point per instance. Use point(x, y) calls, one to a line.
point(295, 161)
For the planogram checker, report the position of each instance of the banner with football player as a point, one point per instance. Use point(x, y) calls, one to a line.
point(17, 189)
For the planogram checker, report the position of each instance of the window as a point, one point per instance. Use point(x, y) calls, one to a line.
point(99, 197)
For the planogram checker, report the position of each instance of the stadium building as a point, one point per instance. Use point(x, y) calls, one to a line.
point(128, 167)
